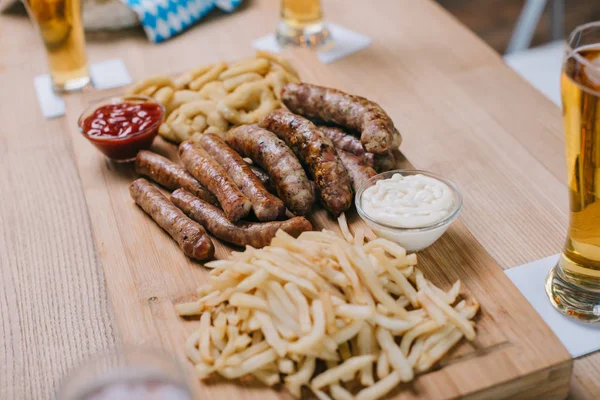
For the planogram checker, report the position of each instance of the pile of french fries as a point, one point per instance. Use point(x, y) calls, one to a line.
point(362, 309)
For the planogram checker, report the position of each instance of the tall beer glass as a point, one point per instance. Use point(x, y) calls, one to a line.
point(60, 25)
point(574, 284)
point(302, 24)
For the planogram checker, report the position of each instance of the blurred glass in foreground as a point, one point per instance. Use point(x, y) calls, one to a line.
point(302, 24)
point(574, 284)
point(60, 25)
point(127, 373)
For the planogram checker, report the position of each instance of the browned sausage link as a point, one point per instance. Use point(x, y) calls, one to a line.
point(353, 112)
point(318, 153)
point(351, 144)
point(191, 236)
point(255, 234)
point(170, 175)
point(358, 170)
point(204, 168)
point(264, 177)
point(266, 206)
point(276, 158)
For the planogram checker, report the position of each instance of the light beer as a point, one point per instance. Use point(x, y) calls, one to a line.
point(60, 25)
point(581, 101)
point(574, 284)
point(302, 24)
point(299, 13)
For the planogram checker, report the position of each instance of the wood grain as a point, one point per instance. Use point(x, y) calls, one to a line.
point(462, 114)
point(53, 302)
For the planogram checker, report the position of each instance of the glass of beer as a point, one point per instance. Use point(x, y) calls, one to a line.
point(574, 284)
point(302, 24)
point(126, 373)
point(60, 25)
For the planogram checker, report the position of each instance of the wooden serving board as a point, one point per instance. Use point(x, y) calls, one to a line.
point(515, 354)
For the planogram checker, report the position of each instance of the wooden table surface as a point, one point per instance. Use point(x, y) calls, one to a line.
point(469, 116)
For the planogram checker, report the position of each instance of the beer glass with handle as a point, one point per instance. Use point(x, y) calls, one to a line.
point(60, 25)
point(573, 286)
point(302, 24)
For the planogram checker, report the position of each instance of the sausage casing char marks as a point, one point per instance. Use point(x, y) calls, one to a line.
point(352, 112)
point(280, 163)
point(170, 175)
point(265, 179)
point(319, 155)
point(255, 234)
point(351, 144)
point(191, 236)
point(204, 168)
point(358, 171)
point(266, 207)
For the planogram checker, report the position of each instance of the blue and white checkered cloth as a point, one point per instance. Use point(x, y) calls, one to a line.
point(163, 19)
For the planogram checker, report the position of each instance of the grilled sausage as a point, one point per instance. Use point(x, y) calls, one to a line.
point(317, 152)
point(266, 207)
point(351, 144)
point(204, 168)
point(358, 171)
point(349, 111)
point(170, 175)
point(265, 179)
point(276, 158)
point(255, 234)
point(191, 236)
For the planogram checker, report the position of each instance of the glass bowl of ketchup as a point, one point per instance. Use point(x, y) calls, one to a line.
point(121, 126)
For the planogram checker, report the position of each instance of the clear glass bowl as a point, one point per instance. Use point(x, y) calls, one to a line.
point(122, 149)
point(412, 239)
point(127, 372)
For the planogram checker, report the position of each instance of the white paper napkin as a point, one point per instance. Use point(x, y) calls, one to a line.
point(105, 75)
point(346, 42)
point(109, 74)
point(51, 104)
point(579, 338)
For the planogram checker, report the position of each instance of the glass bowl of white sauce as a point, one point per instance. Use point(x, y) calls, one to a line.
point(410, 207)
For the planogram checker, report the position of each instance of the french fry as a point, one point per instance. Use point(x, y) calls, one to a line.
point(338, 392)
point(343, 224)
point(332, 375)
point(191, 347)
point(301, 305)
point(365, 345)
point(381, 388)
point(317, 332)
point(458, 320)
point(394, 355)
point(204, 340)
point(271, 334)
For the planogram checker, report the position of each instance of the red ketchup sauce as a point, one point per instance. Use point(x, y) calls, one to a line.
point(121, 130)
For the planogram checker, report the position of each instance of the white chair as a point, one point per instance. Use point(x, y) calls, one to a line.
point(540, 65)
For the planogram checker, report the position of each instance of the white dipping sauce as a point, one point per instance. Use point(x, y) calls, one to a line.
point(412, 201)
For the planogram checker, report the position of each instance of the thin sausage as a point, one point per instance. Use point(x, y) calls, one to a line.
point(170, 175)
point(353, 112)
point(266, 207)
point(204, 168)
point(351, 144)
point(190, 236)
point(276, 158)
point(318, 154)
point(264, 178)
point(255, 234)
point(358, 170)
